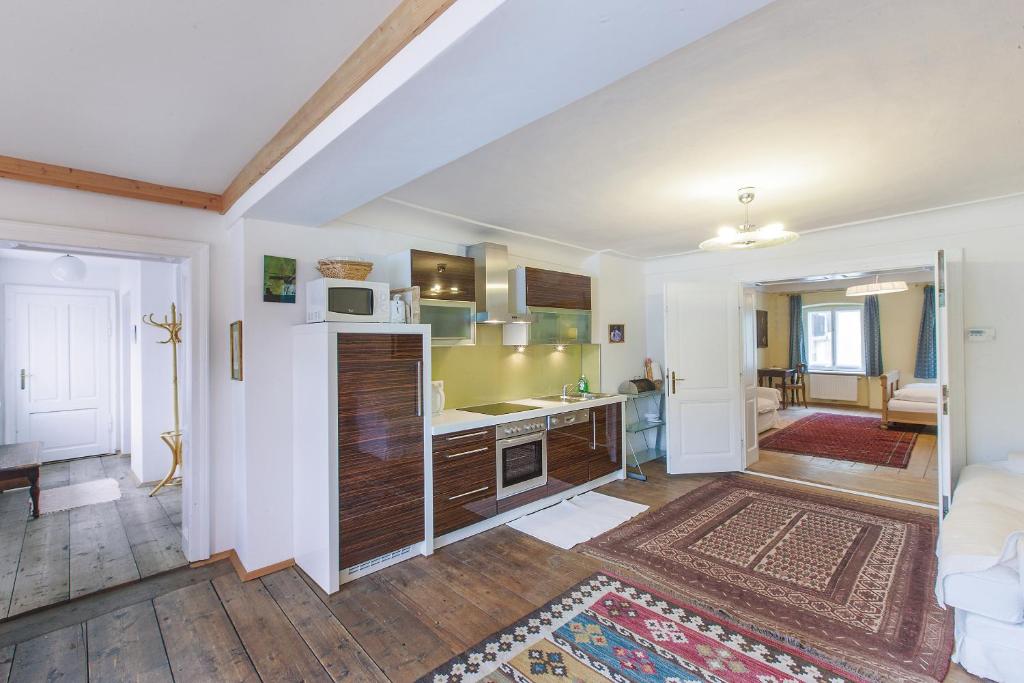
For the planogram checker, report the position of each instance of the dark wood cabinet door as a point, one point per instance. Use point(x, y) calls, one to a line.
point(465, 479)
point(553, 289)
point(444, 276)
point(569, 445)
point(380, 444)
point(607, 455)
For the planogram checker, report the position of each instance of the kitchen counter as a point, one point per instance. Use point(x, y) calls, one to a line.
point(454, 420)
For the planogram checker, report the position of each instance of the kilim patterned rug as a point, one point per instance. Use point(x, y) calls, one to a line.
point(850, 580)
point(844, 437)
point(608, 629)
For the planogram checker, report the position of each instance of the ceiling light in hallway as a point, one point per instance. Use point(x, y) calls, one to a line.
point(748, 235)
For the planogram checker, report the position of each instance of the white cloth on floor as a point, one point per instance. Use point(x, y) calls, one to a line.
point(78, 495)
point(577, 519)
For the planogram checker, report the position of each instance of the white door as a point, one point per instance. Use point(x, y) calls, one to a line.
point(951, 446)
point(61, 355)
point(702, 375)
point(749, 342)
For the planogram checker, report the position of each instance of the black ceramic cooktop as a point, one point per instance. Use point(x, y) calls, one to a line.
point(498, 408)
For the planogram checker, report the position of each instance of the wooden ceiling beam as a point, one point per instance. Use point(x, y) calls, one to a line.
point(63, 176)
point(406, 22)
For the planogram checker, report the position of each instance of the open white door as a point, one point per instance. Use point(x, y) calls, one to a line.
point(749, 345)
point(951, 447)
point(702, 378)
point(61, 369)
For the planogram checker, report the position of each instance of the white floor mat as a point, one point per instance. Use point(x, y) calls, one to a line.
point(77, 495)
point(577, 519)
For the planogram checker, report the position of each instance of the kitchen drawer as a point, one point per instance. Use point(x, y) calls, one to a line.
point(366, 536)
point(463, 441)
point(464, 514)
point(456, 477)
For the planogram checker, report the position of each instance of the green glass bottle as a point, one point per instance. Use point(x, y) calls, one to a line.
point(583, 385)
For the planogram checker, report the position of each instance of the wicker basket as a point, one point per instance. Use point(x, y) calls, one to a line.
point(344, 268)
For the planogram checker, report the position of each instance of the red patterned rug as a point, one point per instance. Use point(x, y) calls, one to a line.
point(850, 580)
point(844, 437)
point(609, 629)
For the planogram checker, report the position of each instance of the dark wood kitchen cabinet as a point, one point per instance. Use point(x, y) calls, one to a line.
point(554, 289)
point(440, 277)
point(360, 447)
point(584, 451)
point(380, 444)
point(465, 479)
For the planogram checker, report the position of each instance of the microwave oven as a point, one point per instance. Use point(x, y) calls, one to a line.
point(347, 301)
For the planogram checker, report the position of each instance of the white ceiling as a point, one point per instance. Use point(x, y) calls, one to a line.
point(836, 111)
point(180, 93)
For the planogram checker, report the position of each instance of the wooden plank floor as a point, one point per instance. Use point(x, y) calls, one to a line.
point(397, 624)
point(918, 482)
point(76, 552)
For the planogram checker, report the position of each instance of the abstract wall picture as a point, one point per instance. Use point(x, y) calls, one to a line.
point(762, 329)
point(616, 334)
point(279, 279)
point(236, 350)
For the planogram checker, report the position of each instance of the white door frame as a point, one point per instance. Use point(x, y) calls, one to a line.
point(194, 270)
point(10, 393)
point(954, 314)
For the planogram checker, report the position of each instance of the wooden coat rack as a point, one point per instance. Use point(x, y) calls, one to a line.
point(171, 438)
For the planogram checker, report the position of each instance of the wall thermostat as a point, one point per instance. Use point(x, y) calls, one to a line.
point(981, 334)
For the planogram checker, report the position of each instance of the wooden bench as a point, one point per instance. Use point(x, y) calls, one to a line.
point(19, 465)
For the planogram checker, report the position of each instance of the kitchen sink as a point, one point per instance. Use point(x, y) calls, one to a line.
point(574, 398)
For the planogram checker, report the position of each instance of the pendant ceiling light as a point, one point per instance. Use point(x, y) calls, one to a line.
point(748, 235)
point(68, 268)
point(877, 287)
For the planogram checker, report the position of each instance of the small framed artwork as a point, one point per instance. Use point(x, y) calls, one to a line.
point(279, 279)
point(236, 350)
point(616, 334)
point(762, 329)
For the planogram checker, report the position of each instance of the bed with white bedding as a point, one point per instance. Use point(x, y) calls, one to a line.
point(912, 404)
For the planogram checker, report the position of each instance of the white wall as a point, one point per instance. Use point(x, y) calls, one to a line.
point(991, 235)
point(151, 389)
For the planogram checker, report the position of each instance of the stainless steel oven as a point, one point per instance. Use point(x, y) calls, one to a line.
point(522, 456)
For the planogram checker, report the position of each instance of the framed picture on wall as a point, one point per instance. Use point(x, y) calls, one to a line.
point(616, 334)
point(762, 329)
point(279, 279)
point(236, 350)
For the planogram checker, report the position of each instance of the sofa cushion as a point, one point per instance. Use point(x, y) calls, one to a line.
point(766, 405)
point(994, 593)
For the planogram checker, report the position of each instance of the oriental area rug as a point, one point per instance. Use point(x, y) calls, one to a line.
point(847, 580)
point(845, 437)
point(609, 629)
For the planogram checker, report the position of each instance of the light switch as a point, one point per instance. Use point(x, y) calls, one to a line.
point(981, 334)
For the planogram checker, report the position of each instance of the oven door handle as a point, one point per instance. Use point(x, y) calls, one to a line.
point(517, 440)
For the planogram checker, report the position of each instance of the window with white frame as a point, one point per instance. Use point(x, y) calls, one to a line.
point(835, 337)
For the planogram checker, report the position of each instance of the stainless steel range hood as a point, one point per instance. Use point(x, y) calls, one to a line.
point(492, 266)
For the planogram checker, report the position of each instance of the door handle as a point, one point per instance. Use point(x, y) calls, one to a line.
point(419, 388)
point(674, 380)
point(23, 376)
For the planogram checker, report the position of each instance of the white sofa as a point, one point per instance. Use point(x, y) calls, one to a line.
point(981, 570)
point(769, 401)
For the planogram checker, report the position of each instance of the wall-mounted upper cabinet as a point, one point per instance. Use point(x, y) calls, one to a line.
point(440, 277)
point(536, 287)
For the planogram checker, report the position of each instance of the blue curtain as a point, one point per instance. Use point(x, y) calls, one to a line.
point(797, 340)
point(872, 337)
point(926, 365)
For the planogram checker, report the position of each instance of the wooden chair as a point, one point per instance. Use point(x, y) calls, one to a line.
point(796, 390)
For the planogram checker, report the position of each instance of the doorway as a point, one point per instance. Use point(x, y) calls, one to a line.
point(834, 351)
point(730, 378)
point(95, 384)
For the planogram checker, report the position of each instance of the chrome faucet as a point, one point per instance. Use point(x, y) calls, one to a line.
point(565, 390)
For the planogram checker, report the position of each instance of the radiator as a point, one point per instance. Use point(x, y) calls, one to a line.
point(833, 387)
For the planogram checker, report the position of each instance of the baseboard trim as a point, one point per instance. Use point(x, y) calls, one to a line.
point(243, 573)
